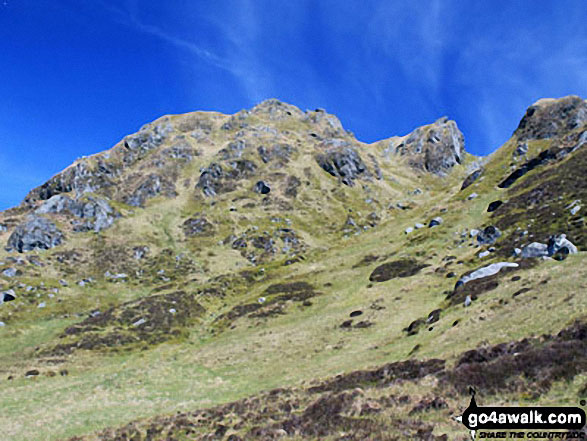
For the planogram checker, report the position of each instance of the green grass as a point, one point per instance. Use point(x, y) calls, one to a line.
point(216, 364)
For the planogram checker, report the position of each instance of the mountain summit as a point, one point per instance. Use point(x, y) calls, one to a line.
point(265, 275)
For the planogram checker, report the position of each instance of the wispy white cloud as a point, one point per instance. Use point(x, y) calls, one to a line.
point(240, 35)
point(415, 36)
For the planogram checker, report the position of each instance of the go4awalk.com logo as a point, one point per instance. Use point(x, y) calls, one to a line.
point(535, 423)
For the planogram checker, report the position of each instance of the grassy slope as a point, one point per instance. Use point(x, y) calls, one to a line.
point(305, 344)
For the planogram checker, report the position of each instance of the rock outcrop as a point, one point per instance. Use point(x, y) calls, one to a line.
point(435, 148)
point(37, 233)
point(343, 162)
point(97, 214)
point(548, 118)
point(151, 186)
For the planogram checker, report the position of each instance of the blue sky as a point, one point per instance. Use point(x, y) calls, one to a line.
point(78, 75)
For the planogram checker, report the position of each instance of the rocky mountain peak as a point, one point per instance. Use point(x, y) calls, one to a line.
point(550, 117)
point(435, 148)
point(206, 244)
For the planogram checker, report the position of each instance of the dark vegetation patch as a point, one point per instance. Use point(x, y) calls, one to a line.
point(167, 266)
point(149, 320)
point(291, 186)
point(543, 158)
point(531, 363)
point(542, 204)
point(521, 291)
point(366, 260)
point(388, 374)
point(397, 268)
point(414, 327)
point(477, 287)
point(260, 246)
point(428, 404)
point(494, 206)
point(274, 305)
point(344, 403)
point(281, 413)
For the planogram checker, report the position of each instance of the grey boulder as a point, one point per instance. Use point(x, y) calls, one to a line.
point(560, 245)
point(535, 249)
point(37, 233)
point(488, 235)
point(557, 245)
point(7, 296)
point(344, 163)
point(9, 272)
point(486, 271)
point(435, 222)
point(261, 187)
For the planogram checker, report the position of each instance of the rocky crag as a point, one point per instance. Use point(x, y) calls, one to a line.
point(266, 275)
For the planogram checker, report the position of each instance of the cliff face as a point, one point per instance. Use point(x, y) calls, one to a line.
point(322, 287)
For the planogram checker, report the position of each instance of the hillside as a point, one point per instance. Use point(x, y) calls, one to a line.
point(266, 275)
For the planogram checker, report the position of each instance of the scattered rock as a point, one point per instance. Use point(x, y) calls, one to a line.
point(435, 222)
point(197, 226)
point(557, 245)
point(521, 149)
point(9, 272)
point(488, 235)
point(472, 196)
point(560, 245)
point(418, 225)
point(140, 252)
point(483, 254)
point(32, 373)
point(355, 313)
point(471, 178)
point(7, 296)
point(409, 230)
point(278, 153)
point(261, 187)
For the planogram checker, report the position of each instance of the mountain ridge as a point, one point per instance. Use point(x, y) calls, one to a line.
point(219, 265)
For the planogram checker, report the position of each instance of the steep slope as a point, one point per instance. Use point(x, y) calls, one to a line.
point(208, 258)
